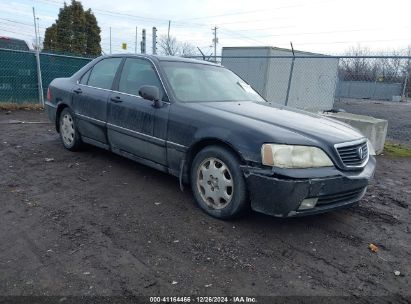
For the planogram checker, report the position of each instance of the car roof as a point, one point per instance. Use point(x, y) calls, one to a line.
point(13, 43)
point(163, 58)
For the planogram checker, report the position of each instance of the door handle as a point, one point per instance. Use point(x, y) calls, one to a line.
point(116, 99)
point(78, 91)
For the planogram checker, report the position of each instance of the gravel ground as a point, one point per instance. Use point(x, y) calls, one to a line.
point(93, 223)
point(398, 115)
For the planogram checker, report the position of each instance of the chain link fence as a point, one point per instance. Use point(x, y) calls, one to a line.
point(313, 82)
point(56, 65)
point(19, 81)
point(309, 82)
point(377, 78)
point(18, 76)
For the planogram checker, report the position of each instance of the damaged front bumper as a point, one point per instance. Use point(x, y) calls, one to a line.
point(280, 192)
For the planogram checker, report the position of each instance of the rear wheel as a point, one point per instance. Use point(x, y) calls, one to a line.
point(69, 135)
point(217, 183)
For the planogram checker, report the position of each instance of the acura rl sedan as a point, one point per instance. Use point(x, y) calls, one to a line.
point(205, 125)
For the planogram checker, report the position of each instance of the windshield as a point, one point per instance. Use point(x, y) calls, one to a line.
point(196, 82)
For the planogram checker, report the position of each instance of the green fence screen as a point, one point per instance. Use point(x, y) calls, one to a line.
point(18, 73)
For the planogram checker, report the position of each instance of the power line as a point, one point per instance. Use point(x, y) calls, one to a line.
point(183, 24)
point(266, 28)
point(249, 21)
point(15, 21)
point(110, 13)
point(236, 33)
point(8, 25)
point(242, 37)
point(353, 41)
point(20, 33)
point(254, 11)
point(233, 34)
point(320, 33)
point(145, 19)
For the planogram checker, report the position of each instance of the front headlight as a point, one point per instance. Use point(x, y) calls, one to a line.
point(288, 156)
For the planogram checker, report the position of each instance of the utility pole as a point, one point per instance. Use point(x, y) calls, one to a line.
point(143, 41)
point(168, 37)
point(215, 41)
point(154, 40)
point(135, 45)
point(110, 39)
point(168, 31)
point(37, 49)
point(38, 31)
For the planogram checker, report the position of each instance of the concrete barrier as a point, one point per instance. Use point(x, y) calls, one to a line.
point(373, 128)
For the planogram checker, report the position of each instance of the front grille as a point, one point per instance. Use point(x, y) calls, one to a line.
point(354, 155)
point(341, 197)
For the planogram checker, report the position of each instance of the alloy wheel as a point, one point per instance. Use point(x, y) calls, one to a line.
point(215, 183)
point(67, 129)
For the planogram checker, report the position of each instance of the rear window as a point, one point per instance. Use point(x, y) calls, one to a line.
point(103, 73)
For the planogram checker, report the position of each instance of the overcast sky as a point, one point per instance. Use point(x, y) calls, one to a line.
point(330, 27)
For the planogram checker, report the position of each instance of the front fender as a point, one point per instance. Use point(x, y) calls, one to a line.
point(242, 144)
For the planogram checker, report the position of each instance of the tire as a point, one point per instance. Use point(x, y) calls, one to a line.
point(218, 184)
point(69, 135)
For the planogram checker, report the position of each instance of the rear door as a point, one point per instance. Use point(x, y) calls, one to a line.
point(90, 97)
point(134, 125)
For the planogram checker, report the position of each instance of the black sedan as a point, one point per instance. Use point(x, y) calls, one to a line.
point(205, 125)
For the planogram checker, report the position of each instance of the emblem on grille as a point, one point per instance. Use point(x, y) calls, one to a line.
point(360, 153)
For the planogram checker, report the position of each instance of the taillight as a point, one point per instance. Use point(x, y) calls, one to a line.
point(49, 94)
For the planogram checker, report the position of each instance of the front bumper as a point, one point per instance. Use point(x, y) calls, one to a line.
point(279, 192)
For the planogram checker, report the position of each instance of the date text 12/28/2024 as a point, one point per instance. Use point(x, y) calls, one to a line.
point(207, 299)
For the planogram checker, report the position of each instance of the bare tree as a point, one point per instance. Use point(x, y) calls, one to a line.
point(167, 46)
point(173, 47)
point(187, 49)
point(359, 68)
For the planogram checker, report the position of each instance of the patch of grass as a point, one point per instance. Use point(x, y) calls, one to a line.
point(397, 150)
point(11, 106)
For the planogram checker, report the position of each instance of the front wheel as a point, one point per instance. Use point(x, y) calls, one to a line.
point(218, 184)
point(69, 135)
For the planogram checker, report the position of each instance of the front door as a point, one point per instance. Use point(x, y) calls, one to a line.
point(134, 126)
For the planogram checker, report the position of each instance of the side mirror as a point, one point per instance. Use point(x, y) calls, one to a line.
point(151, 93)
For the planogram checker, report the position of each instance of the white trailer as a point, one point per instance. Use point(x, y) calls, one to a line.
point(313, 80)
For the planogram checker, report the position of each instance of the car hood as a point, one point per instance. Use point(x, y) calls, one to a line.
point(309, 125)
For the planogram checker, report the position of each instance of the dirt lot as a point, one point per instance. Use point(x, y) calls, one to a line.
point(93, 223)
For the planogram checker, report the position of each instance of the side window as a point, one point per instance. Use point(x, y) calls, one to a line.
point(136, 73)
point(85, 77)
point(103, 73)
